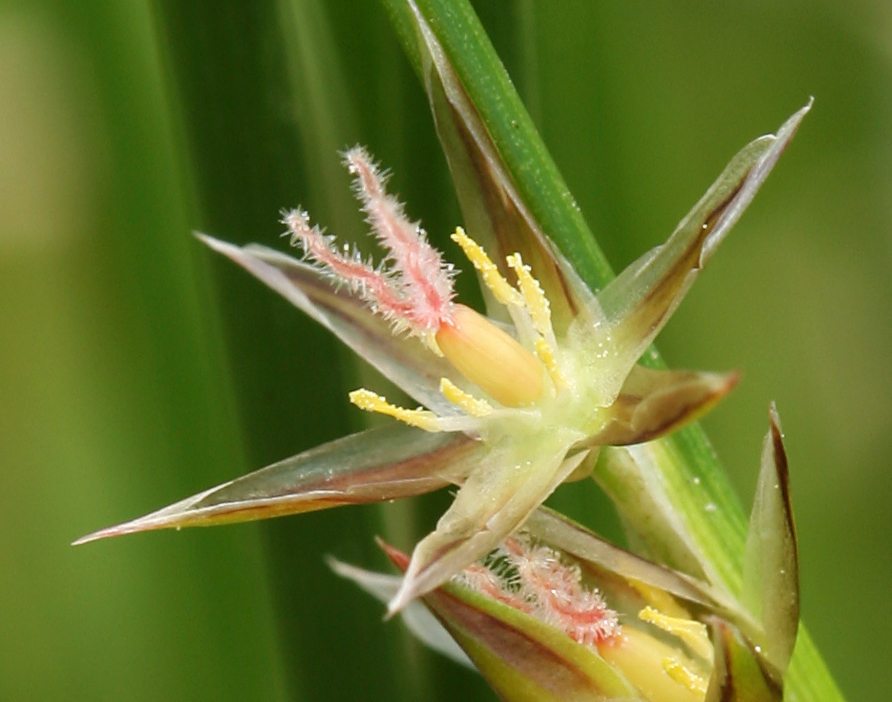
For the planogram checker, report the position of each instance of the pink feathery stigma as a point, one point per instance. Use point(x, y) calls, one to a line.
point(563, 602)
point(373, 285)
point(534, 580)
point(421, 273)
point(480, 578)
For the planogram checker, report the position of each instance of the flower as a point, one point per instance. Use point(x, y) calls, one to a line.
point(513, 404)
point(556, 613)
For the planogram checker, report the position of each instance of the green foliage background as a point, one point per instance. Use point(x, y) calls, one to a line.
point(136, 369)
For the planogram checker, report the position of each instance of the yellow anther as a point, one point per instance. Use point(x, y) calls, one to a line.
point(660, 600)
point(491, 359)
point(501, 288)
point(641, 658)
point(533, 296)
point(685, 676)
point(692, 633)
point(470, 404)
point(546, 355)
point(370, 402)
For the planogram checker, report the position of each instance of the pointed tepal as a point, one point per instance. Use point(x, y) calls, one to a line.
point(738, 674)
point(771, 567)
point(371, 466)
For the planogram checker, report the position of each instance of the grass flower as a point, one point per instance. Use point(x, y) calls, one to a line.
point(513, 404)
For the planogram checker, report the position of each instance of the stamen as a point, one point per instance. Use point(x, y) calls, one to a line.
point(643, 660)
point(685, 676)
point(660, 600)
point(501, 289)
point(470, 404)
point(533, 296)
point(546, 354)
point(370, 402)
point(693, 633)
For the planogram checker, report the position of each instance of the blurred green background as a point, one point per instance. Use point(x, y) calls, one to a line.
point(136, 369)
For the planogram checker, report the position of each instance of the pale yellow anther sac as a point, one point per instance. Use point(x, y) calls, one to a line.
point(685, 676)
point(693, 633)
point(370, 402)
point(473, 406)
point(546, 354)
point(534, 298)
